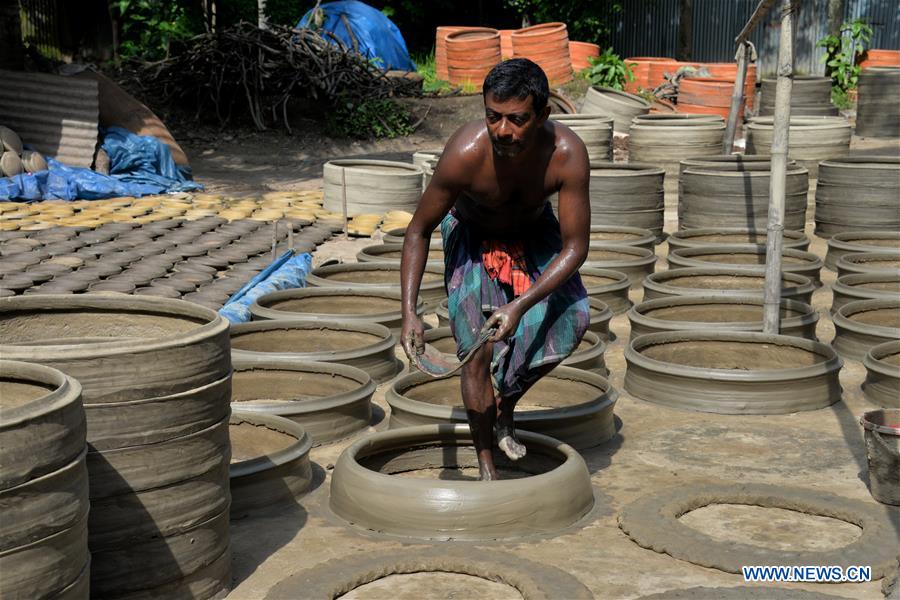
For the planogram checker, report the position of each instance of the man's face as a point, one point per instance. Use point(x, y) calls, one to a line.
point(512, 124)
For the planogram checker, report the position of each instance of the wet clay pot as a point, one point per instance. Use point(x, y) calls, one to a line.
point(861, 325)
point(864, 286)
point(608, 286)
point(366, 346)
point(720, 281)
point(849, 242)
point(727, 236)
point(732, 372)
point(269, 461)
point(882, 384)
point(379, 275)
point(749, 256)
point(723, 313)
point(330, 401)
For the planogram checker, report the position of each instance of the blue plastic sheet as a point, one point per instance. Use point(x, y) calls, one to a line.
point(376, 37)
point(139, 166)
point(292, 274)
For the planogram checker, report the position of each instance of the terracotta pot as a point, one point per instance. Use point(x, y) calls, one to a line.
point(440, 49)
point(875, 57)
point(640, 68)
point(656, 75)
point(471, 54)
point(506, 49)
point(546, 44)
point(701, 95)
point(728, 71)
point(580, 53)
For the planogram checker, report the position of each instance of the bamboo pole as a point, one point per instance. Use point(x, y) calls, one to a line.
point(781, 128)
point(737, 96)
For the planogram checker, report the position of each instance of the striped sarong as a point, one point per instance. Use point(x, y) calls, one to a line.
point(547, 333)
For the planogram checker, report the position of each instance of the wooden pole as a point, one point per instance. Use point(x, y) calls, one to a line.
point(737, 97)
point(781, 129)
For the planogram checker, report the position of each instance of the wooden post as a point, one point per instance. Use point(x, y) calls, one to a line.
point(781, 130)
point(737, 97)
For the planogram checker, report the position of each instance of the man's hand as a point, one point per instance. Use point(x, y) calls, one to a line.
point(412, 337)
point(505, 320)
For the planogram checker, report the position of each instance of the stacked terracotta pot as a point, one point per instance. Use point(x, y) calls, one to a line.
point(581, 53)
point(707, 96)
point(649, 71)
point(880, 58)
point(546, 44)
point(728, 71)
point(471, 54)
point(440, 50)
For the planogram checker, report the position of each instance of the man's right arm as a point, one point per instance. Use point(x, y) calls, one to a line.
point(450, 177)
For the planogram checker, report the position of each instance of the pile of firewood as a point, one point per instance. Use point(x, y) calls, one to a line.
point(245, 68)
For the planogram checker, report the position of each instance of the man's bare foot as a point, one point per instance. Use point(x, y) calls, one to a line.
point(486, 468)
point(511, 447)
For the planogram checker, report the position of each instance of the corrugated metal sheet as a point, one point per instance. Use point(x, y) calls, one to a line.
point(650, 28)
point(58, 116)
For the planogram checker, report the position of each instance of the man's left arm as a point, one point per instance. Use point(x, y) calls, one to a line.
point(574, 224)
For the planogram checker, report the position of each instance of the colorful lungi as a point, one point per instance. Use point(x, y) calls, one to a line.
point(547, 333)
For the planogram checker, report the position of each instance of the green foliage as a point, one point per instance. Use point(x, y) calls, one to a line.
point(842, 53)
point(149, 27)
point(586, 20)
point(370, 118)
point(425, 67)
point(841, 98)
point(608, 70)
point(280, 12)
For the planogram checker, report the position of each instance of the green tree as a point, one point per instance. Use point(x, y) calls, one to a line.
point(586, 20)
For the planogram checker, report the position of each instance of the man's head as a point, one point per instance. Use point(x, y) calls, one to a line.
point(515, 104)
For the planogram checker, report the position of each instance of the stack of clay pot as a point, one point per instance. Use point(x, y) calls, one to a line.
point(648, 72)
point(708, 96)
point(728, 71)
point(371, 186)
point(596, 131)
point(810, 97)
point(546, 44)
point(471, 54)
point(810, 139)
point(14, 159)
point(440, 50)
point(876, 57)
point(581, 53)
point(156, 381)
point(43, 484)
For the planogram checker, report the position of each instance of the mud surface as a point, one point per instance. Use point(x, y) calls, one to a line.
point(101, 325)
point(718, 282)
point(302, 340)
point(603, 255)
point(437, 586)
point(614, 235)
point(17, 393)
point(548, 393)
point(883, 317)
point(744, 259)
point(743, 356)
point(774, 528)
point(878, 263)
point(454, 463)
point(377, 276)
point(252, 441)
point(596, 280)
point(886, 286)
point(891, 359)
point(714, 313)
point(338, 305)
point(288, 386)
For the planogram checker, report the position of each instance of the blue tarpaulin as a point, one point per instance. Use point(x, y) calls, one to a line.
point(138, 166)
point(371, 33)
point(291, 274)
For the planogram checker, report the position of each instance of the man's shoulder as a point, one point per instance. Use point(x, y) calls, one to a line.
point(468, 143)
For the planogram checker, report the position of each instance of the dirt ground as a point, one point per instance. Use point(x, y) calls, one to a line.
point(655, 447)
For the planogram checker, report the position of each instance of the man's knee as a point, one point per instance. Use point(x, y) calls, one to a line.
point(481, 359)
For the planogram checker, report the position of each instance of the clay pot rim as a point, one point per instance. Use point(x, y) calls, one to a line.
point(267, 462)
point(213, 325)
point(843, 317)
point(67, 390)
point(639, 169)
point(633, 354)
point(873, 360)
point(802, 283)
point(638, 313)
point(541, 29)
point(366, 385)
point(388, 339)
point(395, 397)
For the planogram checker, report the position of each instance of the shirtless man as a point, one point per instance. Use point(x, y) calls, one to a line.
point(510, 265)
